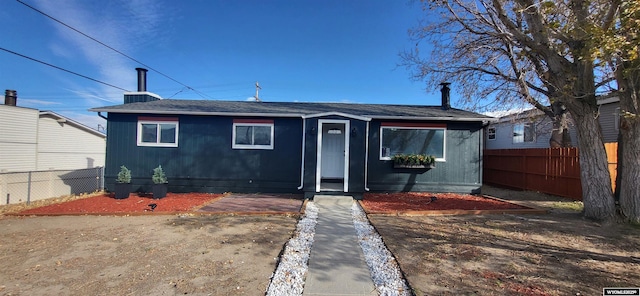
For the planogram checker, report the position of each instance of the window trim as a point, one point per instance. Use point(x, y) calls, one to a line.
point(252, 122)
point(416, 126)
point(157, 122)
point(490, 133)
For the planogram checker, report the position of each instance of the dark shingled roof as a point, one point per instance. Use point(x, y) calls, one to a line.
point(291, 109)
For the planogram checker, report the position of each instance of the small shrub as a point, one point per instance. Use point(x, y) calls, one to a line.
point(124, 176)
point(158, 176)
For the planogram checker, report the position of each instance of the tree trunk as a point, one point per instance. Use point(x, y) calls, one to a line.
point(560, 136)
point(629, 143)
point(597, 193)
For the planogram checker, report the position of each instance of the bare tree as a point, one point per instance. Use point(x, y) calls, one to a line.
point(525, 51)
point(617, 43)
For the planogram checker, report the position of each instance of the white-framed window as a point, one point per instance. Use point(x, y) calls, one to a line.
point(491, 133)
point(402, 138)
point(158, 132)
point(524, 133)
point(252, 134)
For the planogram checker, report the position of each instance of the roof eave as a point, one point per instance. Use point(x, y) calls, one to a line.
point(301, 115)
point(434, 118)
point(75, 123)
point(347, 115)
point(170, 112)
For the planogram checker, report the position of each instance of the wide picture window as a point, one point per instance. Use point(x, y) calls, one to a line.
point(252, 135)
point(412, 140)
point(158, 133)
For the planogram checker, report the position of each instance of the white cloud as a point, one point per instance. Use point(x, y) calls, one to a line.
point(126, 25)
point(33, 103)
point(122, 25)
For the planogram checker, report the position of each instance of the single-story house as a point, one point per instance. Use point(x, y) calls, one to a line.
point(251, 146)
point(532, 128)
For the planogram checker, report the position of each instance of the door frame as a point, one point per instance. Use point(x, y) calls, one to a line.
point(346, 133)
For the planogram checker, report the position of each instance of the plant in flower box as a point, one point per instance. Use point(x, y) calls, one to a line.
point(413, 161)
point(159, 183)
point(123, 183)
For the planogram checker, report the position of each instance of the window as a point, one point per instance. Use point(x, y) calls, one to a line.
point(252, 134)
point(491, 133)
point(412, 139)
point(524, 133)
point(158, 132)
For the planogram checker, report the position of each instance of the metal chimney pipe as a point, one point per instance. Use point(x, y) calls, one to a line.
point(446, 99)
point(10, 97)
point(142, 79)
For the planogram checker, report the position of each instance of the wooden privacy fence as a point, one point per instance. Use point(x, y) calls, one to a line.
point(550, 170)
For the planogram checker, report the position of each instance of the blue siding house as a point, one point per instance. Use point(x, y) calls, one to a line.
point(286, 147)
point(532, 128)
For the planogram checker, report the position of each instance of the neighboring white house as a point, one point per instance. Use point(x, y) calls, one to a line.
point(532, 129)
point(43, 140)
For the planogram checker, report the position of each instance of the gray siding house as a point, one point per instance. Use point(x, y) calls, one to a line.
point(532, 129)
point(310, 148)
point(33, 140)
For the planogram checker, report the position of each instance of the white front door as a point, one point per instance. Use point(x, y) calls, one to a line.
point(333, 152)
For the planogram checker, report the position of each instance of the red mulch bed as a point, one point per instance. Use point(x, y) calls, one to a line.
point(106, 204)
point(423, 201)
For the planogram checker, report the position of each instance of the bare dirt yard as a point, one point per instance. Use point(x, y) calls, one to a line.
point(140, 255)
point(558, 253)
point(139, 252)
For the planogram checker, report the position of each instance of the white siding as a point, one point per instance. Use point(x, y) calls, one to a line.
point(18, 138)
point(64, 145)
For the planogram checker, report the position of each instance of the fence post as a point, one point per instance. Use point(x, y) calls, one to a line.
point(97, 178)
point(29, 189)
point(525, 181)
point(102, 178)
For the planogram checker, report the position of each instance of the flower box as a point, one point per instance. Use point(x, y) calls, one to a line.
point(413, 166)
point(413, 161)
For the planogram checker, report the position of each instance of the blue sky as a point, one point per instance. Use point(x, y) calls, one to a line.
point(306, 51)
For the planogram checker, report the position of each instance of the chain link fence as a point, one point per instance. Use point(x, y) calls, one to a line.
point(30, 186)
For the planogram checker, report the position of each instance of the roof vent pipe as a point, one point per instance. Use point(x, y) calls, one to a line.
point(10, 97)
point(446, 99)
point(142, 79)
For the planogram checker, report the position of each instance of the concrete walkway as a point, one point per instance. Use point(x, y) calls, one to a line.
point(336, 262)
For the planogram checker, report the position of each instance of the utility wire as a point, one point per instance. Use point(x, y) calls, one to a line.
point(63, 69)
point(109, 47)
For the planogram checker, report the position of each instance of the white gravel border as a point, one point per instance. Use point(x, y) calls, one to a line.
point(384, 269)
point(289, 276)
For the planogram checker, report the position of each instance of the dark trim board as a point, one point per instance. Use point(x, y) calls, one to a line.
point(178, 185)
point(434, 188)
